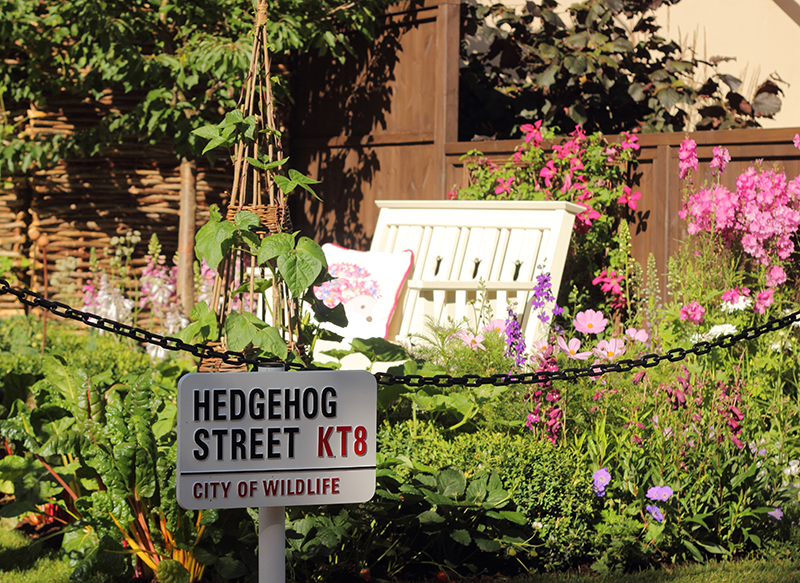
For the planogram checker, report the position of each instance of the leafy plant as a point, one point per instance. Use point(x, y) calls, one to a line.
point(605, 68)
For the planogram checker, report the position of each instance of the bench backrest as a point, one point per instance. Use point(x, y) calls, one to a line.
point(462, 248)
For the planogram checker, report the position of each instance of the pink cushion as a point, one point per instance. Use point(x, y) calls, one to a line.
point(368, 283)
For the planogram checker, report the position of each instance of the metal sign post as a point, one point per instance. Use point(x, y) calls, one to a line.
point(271, 439)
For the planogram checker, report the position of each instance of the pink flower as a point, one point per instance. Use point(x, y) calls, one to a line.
point(693, 312)
point(775, 276)
point(687, 157)
point(453, 194)
point(796, 141)
point(517, 157)
point(583, 221)
point(720, 160)
point(532, 133)
point(637, 335)
point(764, 300)
point(630, 141)
point(548, 172)
point(474, 342)
point(732, 295)
point(609, 282)
point(572, 348)
point(629, 197)
point(497, 325)
point(610, 349)
point(590, 322)
point(505, 185)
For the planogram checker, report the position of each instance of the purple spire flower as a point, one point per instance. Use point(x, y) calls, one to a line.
point(515, 342)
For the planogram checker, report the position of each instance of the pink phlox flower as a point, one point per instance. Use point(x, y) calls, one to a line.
point(496, 325)
point(693, 312)
point(590, 322)
point(572, 348)
point(719, 160)
point(637, 335)
point(763, 300)
point(576, 164)
point(628, 197)
point(505, 185)
point(687, 157)
point(629, 142)
point(610, 349)
point(532, 133)
point(732, 295)
point(796, 141)
point(548, 172)
point(775, 276)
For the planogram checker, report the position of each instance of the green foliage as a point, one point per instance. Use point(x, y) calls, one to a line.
point(180, 64)
point(606, 67)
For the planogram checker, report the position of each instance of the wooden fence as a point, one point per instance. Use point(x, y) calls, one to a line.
point(384, 125)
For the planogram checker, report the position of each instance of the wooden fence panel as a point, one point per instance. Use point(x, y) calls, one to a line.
point(375, 127)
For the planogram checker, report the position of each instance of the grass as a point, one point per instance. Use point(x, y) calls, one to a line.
point(762, 571)
point(25, 561)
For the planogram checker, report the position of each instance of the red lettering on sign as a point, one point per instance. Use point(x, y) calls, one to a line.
point(324, 443)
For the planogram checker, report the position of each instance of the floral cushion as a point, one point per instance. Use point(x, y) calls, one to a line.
point(368, 283)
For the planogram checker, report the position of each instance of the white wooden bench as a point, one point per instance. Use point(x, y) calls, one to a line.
point(461, 247)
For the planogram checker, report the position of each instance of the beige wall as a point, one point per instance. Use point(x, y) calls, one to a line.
point(762, 37)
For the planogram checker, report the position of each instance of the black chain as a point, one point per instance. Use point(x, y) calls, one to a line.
point(33, 299)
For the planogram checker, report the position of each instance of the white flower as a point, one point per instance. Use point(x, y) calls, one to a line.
point(721, 330)
point(695, 338)
point(537, 524)
point(741, 303)
point(793, 469)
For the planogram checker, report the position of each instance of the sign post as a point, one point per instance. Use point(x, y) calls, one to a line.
point(275, 439)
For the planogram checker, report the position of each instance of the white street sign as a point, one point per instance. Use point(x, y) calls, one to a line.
point(257, 439)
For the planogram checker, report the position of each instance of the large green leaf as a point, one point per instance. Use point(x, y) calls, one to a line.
point(451, 483)
point(274, 246)
point(270, 340)
point(299, 271)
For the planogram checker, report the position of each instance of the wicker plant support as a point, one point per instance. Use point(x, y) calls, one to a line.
point(254, 190)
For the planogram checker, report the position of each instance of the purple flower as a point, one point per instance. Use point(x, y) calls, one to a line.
point(542, 293)
point(655, 512)
point(776, 514)
point(515, 341)
point(662, 493)
point(601, 479)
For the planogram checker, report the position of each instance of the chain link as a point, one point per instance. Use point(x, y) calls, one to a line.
point(60, 309)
